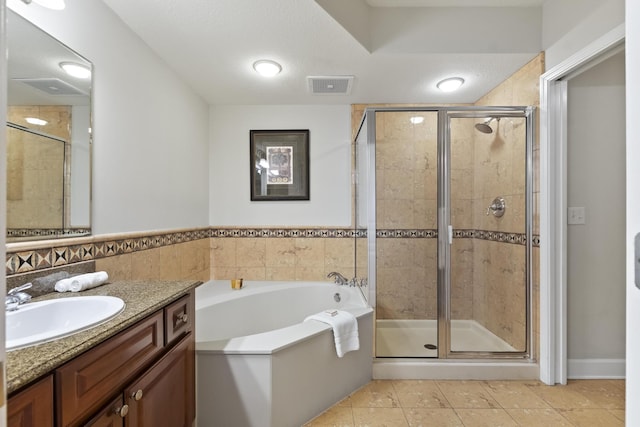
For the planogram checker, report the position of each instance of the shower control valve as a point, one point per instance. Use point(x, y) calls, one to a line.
point(497, 207)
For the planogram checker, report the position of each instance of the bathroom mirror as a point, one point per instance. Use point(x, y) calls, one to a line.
point(48, 136)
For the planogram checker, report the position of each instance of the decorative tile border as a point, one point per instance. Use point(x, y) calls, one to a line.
point(20, 233)
point(493, 236)
point(27, 260)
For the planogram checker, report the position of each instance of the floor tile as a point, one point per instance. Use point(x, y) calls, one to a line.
point(591, 418)
point(514, 394)
point(430, 417)
point(336, 416)
point(486, 418)
point(379, 417)
point(467, 394)
point(562, 397)
point(419, 394)
point(538, 418)
point(376, 394)
point(604, 394)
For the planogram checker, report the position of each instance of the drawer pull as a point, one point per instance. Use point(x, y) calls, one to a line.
point(137, 395)
point(122, 411)
point(181, 318)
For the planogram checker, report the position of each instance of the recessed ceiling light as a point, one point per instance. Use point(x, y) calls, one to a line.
point(35, 121)
point(51, 4)
point(267, 68)
point(450, 84)
point(74, 69)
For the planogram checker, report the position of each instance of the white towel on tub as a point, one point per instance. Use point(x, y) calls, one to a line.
point(345, 329)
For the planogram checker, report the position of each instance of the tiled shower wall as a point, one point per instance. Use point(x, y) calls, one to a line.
point(36, 168)
point(489, 253)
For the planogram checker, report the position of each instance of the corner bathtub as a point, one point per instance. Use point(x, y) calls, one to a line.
point(258, 364)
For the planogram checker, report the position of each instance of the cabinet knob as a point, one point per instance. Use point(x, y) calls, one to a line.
point(122, 411)
point(181, 318)
point(137, 395)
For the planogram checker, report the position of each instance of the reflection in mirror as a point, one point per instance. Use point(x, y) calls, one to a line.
point(48, 136)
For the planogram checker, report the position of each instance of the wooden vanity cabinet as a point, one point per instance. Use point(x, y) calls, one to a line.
point(33, 406)
point(142, 376)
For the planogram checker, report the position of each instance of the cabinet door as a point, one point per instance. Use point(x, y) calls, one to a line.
point(32, 407)
point(111, 416)
point(165, 394)
point(86, 383)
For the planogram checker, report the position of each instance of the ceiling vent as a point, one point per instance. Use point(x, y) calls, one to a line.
point(52, 86)
point(330, 85)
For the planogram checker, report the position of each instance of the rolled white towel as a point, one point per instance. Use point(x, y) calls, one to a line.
point(88, 281)
point(63, 285)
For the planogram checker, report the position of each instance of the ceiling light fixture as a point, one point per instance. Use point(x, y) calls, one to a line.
point(74, 69)
point(267, 68)
point(35, 121)
point(450, 84)
point(416, 120)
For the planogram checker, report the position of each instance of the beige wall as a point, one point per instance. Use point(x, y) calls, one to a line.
point(281, 258)
point(36, 167)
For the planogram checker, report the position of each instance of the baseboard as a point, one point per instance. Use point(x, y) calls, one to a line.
point(595, 368)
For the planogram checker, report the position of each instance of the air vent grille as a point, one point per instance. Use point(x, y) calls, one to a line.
point(52, 86)
point(330, 85)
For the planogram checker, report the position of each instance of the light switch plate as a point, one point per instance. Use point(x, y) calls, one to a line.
point(576, 215)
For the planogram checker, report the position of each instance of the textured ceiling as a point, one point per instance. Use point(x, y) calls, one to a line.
point(213, 43)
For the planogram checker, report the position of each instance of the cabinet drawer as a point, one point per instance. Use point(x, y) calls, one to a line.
point(178, 318)
point(86, 383)
point(32, 407)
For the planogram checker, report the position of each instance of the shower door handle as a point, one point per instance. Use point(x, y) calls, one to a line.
point(450, 233)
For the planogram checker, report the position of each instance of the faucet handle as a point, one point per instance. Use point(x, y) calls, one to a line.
point(19, 289)
point(338, 278)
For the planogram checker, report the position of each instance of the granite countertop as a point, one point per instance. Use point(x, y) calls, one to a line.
point(141, 298)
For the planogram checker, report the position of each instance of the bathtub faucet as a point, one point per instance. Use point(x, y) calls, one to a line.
point(338, 278)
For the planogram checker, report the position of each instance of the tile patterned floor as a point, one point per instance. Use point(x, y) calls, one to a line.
point(414, 403)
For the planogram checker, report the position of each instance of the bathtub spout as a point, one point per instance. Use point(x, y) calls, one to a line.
point(338, 278)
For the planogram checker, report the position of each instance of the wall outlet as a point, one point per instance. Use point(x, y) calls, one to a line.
point(576, 215)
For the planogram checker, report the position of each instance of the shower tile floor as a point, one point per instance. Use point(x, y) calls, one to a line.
point(413, 403)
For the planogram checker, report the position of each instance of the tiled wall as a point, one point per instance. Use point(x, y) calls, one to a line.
point(282, 254)
point(179, 254)
point(36, 168)
point(522, 88)
point(488, 254)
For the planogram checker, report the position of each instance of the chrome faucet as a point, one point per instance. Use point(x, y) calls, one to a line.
point(16, 297)
point(338, 278)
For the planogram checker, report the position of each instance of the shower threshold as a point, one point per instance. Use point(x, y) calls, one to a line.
point(416, 338)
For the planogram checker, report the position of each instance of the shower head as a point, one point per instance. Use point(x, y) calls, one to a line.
point(484, 127)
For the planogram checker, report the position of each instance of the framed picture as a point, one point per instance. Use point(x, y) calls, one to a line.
point(279, 165)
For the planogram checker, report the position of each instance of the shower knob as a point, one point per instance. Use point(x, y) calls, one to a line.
point(497, 207)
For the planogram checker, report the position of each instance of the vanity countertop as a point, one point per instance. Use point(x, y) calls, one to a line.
point(141, 297)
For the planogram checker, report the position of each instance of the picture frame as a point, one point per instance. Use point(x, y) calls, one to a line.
point(279, 164)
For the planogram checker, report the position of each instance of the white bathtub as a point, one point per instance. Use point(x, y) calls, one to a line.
point(258, 364)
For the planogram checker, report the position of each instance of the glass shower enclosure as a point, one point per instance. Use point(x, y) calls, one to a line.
point(445, 196)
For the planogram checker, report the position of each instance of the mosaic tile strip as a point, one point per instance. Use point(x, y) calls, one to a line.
point(494, 236)
point(17, 233)
point(39, 259)
point(287, 232)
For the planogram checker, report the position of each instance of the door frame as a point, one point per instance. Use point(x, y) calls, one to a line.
point(553, 200)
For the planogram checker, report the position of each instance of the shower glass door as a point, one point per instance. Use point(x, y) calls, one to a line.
point(488, 199)
point(406, 206)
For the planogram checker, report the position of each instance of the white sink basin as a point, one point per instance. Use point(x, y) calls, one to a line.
point(38, 322)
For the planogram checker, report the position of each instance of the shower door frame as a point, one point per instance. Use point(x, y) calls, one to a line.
point(444, 218)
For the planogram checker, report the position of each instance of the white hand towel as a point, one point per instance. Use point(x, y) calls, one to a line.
point(345, 330)
point(63, 285)
point(88, 281)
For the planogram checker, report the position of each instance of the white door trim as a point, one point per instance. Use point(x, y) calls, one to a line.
point(553, 201)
